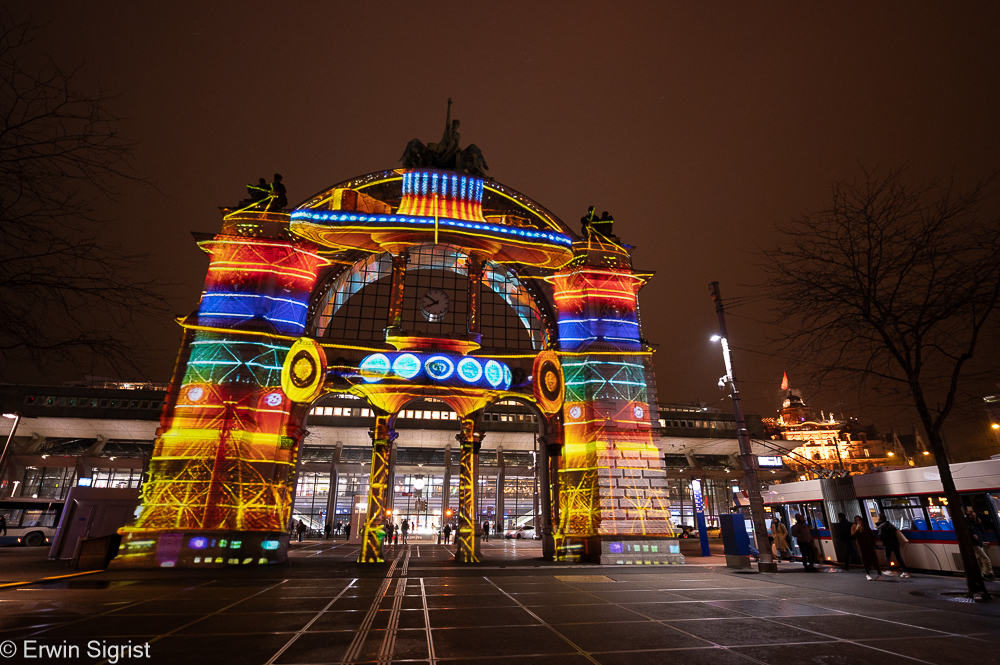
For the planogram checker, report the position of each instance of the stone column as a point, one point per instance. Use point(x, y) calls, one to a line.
point(471, 440)
point(475, 266)
point(501, 476)
point(395, 317)
point(331, 500)
point(382, 438)
point(548, 474)
point(446, 485)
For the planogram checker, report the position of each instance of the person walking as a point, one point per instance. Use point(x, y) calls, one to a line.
point(347, 530)
point(979, 544)
point(865, 538)
point(889, 535)
point(404, 529)
point(780, 535)
point(326, 531)
point(486, 531)
point(3, 524)
point(447, 534)
point(843, 530)
point(300, 530)
point(803, 536)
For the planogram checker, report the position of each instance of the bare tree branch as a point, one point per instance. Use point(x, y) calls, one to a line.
point(69, 297)
point(894, 284)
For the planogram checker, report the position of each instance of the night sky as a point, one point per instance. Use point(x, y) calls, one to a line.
point(699, 127)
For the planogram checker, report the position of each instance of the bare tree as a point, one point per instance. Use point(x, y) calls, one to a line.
point(67, 295)
point(893, 288)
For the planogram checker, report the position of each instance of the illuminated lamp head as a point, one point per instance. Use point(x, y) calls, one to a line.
point(494, 373)
point(439, 367)
point(470, 370)
point(406, 366)
point(375, 367)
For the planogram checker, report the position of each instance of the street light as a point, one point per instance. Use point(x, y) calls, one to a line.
point(746, 453)
point(16, 417)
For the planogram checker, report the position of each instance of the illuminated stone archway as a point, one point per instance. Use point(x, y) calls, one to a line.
point(257, 353)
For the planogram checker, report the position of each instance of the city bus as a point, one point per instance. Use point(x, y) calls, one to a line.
point(30, 522)
point(912, 499)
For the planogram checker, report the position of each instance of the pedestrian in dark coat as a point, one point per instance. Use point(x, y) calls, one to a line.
point(865, 538)
point(447, 534)
point(803, 536)
point(889, 535)
point(843, 530)
point(486, 530)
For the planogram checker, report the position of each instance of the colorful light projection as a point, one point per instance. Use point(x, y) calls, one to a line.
point(471, 440)
point(611, 474)
point(257, 280)
point(430, 193)
point(598, 306)
point(227, 445)
point(444, 205)
point(378, 490)
point(440, 369)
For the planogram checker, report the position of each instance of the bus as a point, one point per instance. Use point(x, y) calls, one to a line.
point(912, 499)
point(30, 522)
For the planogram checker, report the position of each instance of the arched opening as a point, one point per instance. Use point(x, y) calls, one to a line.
point(354, 305)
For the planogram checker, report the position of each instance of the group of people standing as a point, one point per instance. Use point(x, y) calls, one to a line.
point(858, 538)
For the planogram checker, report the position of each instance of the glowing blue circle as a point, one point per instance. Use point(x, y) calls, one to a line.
point(406, 366)
point(439, 367)
point(374, 367)
point(507, 377)
point(198, 543)
point(494, 373)
point(470, 370)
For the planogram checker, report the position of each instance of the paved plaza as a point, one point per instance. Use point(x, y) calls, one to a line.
point(421, 607)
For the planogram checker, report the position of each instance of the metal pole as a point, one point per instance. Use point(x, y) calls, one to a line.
point(10, 437)
point(766, 564)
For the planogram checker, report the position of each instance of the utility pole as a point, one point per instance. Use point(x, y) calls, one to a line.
point(767, 564)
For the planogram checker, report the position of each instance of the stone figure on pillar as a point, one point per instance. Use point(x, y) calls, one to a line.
point(446, 154)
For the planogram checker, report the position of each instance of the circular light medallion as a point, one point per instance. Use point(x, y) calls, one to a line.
point(375, 367)
point(470, 370)
point(549, 388)
point(304, 371)
point(508, 378)
point(273, 399)
point(406, 366)
point(638, 412)
point(439, 367)
point(494, 373)
point(575, 412)
point(196, 393)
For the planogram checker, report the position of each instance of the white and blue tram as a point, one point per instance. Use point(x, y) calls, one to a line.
point(912, 499)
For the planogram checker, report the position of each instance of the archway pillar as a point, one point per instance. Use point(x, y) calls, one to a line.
point(471, 440)
point(612, 499)
point(382, 436)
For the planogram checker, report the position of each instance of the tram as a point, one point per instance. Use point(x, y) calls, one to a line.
point(912, 499)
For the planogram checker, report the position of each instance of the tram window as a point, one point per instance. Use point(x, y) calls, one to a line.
point(986, 507)
point(903, 512)
point(817, 518)
point(940, 516)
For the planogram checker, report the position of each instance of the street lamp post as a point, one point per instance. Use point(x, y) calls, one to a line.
point(767, 564)
point(16, 417)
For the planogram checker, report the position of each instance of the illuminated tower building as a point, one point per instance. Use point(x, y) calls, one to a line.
point(226, 449)
point(612, 501)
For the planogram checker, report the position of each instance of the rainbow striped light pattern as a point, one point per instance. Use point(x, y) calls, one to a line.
point(442, 194)
point(258, 279)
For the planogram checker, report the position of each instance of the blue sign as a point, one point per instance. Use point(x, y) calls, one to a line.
point(699, 507)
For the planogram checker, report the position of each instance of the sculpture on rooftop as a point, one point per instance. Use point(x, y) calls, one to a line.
point(446, 154)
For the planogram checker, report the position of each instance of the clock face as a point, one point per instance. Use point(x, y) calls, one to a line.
point(434, 305)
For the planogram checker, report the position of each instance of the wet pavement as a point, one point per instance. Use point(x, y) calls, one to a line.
point(422, 607)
